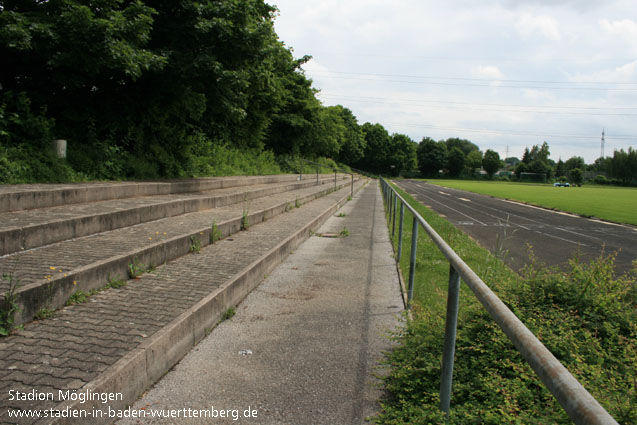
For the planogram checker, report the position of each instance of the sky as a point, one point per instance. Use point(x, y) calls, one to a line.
point(505, 74)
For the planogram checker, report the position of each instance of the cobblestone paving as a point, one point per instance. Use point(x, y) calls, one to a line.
point(18, 219)
point(34, 265)
point(81, 341)
point(8, 188)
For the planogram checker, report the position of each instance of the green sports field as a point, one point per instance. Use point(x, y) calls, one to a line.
point(616, 204)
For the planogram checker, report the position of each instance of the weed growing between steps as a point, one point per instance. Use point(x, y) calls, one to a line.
point(586, 316)
point(195, 245)
point(245, 223)
point(136, 268)
point(215, 233)
point(228, 314)
point(44, 313)
point(9, 303)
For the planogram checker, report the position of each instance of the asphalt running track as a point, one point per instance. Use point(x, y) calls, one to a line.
point(555, 237)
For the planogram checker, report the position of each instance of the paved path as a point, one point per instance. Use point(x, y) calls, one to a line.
point(112, 335)
point(555, 237)
point(315, 330)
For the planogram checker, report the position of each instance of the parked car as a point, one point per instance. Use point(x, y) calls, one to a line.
point(560, 184)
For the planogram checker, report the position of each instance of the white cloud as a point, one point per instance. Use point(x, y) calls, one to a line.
point(490, 71)
point(622, 74)
point(625, 27)
point(529, 25)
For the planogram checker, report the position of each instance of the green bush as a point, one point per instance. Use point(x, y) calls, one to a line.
point(599, 179)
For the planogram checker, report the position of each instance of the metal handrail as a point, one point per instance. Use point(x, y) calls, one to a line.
point(318, 165)
point(578, 403)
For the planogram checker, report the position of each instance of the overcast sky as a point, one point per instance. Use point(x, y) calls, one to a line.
point(504, 74)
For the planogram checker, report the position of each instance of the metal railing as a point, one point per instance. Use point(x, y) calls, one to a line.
point(578, 403)
point(319, 166)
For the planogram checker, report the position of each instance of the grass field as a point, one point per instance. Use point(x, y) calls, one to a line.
point(616, 204)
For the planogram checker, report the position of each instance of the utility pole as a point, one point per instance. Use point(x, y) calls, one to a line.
point(603, 142)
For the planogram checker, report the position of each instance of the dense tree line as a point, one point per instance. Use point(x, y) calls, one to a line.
point(154, 88)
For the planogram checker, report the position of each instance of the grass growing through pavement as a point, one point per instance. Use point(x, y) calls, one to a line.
point(616, 204)
point(585, 316)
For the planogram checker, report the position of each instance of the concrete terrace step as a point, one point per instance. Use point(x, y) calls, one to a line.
point(32, 228)
point(49, 275)
point(122, 340)
point(28, 196)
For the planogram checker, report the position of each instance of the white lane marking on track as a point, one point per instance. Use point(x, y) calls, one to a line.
point(562, 239)
point(577, 233)
point(459, 212)
point(465, 199)
point(443, 193)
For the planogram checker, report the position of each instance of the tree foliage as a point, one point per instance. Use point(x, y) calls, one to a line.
point(491, 162)
point(473, 161)
point(455, 161)
point(575, 162)
point(623, 165)
point(432, 157)
point(146, 88)
point(464, 145)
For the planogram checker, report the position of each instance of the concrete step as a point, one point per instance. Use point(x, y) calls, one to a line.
point(122, 340)
point(32, 228)
point(28, 196)
point(49, 275)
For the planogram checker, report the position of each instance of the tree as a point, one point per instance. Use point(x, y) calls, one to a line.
point(464, 145)
point(377, 155)
point(353, 144)
point(148, 87)
point(402, 154)
point(491, 162)
point(327, 135)
point(560, 169)
point(623, 165)
point(576, 176)
point(473, 161)
point(536, 161)
point(575, 162)
point(432, 157)
point(455, 161)
point(601, 164)
point(538, 167)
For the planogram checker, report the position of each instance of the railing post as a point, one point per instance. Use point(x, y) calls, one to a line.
point(385, 193)
point(393, 226)
point(317, 175)
point(400, 230)
point(451, 323)
point(412, 261)
point(335, 180)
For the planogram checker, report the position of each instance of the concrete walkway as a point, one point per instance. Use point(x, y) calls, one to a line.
point(95, 358)
point(304, 347)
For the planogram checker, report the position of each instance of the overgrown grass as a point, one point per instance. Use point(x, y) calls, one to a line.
point(616, 204)
point(585, 316)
